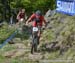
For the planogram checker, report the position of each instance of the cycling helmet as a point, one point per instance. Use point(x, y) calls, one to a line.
point(38, 12)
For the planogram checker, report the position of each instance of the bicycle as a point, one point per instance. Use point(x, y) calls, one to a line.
point(35, 39)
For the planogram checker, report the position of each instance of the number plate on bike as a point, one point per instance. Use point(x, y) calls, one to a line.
point(35, 28)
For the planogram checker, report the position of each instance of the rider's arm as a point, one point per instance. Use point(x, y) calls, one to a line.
point(28, 20)
point(44, 21)
point(18, 17)
point(32, 16)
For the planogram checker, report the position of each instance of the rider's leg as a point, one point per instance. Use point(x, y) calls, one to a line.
point(39, 35)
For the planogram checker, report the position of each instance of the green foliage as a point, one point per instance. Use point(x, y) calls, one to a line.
point(48, 35)
point(29, 5)
point(5, 33)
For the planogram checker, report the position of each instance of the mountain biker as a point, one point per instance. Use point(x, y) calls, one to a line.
point(37, 17)
point(21, 17)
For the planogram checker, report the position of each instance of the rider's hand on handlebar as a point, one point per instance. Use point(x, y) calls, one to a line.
point(44, 27)
point(46, 24)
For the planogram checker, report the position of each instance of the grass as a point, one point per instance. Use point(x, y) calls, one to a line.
point(5, 32)
point(48, 35)
point(2, 59)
